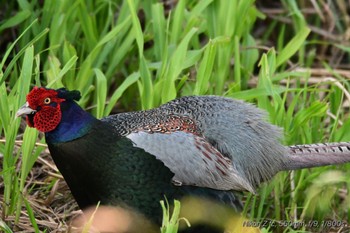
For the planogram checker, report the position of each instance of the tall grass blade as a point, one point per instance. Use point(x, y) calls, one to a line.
point(101, 94)
point(292, 46)
point(131, 79)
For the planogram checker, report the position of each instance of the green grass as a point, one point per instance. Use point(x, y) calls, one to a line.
point(136, 55)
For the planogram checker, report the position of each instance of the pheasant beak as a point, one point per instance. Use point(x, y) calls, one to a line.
point(25, 110)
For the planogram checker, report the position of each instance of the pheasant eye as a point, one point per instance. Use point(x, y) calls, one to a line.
point(47, 100)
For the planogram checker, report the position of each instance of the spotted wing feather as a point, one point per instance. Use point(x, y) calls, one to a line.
point(236, 129)
point(192, 159)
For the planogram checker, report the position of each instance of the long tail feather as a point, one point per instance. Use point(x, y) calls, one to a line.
point(315, 155)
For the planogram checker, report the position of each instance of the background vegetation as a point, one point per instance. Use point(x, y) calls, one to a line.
point(289, 57)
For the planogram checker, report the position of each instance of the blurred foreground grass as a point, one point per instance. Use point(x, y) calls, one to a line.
point(290, 58)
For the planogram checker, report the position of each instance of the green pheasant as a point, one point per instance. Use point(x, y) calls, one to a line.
point(205, 146)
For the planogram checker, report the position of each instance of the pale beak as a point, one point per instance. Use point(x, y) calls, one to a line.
point(25, 110)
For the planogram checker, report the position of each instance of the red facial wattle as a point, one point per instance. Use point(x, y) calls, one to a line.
point(47, 118)
point(46, 103)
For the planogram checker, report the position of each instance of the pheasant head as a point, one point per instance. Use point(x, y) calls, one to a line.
point(43, 107)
